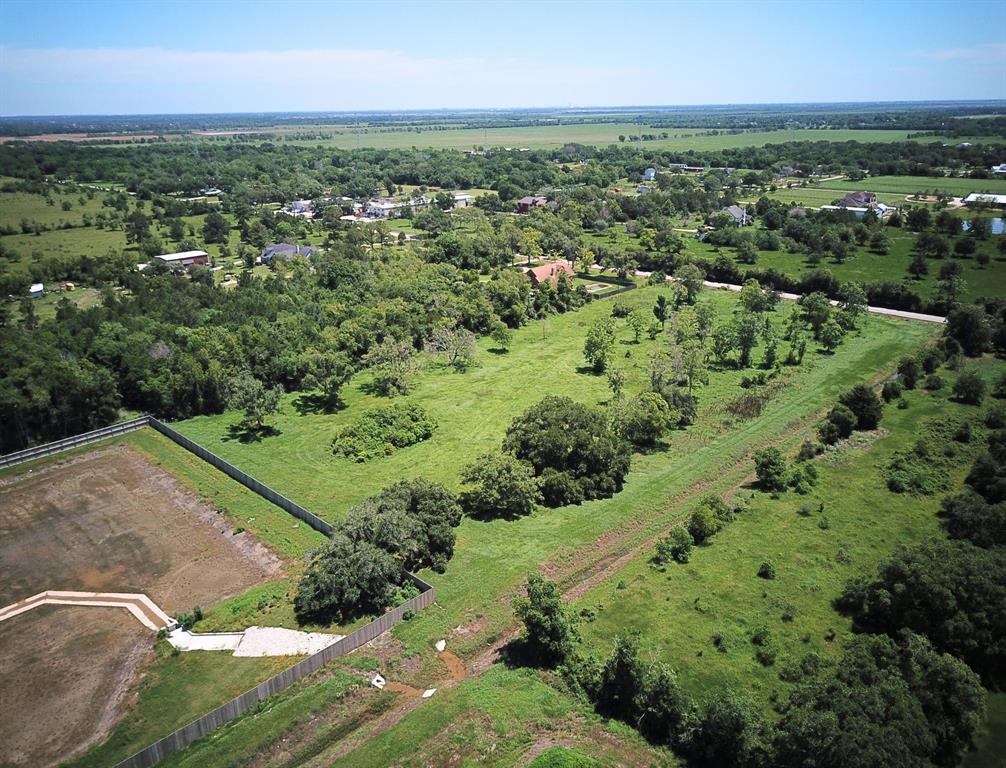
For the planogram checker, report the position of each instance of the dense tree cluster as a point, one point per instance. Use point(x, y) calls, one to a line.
point(409, 525)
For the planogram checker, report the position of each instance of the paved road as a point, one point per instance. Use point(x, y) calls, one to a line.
point(900, 313)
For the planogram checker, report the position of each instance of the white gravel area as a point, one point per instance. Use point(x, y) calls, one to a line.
point(276, 641)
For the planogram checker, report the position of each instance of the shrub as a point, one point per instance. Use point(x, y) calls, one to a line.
point(412, 519)
point(766, 571)
point(702, 524)
point(909, 372)
point(676, 546)
point(770, 467)
point(346, 579)
point(838, 425)
point(549, 631)
point(644, 419)
point(892, 391)
point(501, 486)
point(804, 478)
point(382, 431)
point(865, 404)
point(969, 388)
point(934, 382)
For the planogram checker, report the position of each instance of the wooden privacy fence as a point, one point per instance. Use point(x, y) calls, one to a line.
point(238, 706)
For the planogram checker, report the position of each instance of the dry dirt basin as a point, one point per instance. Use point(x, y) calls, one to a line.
point(107, 520)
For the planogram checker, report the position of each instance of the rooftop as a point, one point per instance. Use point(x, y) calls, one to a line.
point(181, 255)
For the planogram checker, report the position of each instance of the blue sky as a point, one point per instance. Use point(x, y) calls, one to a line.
point(148, 56)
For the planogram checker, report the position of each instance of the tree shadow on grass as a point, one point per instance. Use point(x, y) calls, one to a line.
point(250, 433)
point(315, 402)
point(587, 370)
point(498, 351)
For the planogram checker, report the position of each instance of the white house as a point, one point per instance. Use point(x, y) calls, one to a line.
point(1001, 168)
point(463, 200)
point(36, 291)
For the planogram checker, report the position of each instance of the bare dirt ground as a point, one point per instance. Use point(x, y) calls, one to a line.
point(107, 520)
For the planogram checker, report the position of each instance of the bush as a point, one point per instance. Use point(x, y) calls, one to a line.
point(892, 391)
point(676, 546)
point(969, 388)
point(909, 372)
point(572, 450)
point(838, 425)
point(865, 404)
point(950, 591)
point(502, 486)
point(770, 467)
point(549, 631)
point(702, 524)
point(644, 419)
point(382, 431)
point(934, 382)
point(766, 571)
point(412, 519)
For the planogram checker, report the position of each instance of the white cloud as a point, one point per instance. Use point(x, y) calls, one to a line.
point(995, 52)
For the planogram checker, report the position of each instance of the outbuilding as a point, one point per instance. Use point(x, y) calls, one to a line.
point(985, 200)
point(184, 258)
point(37, 290)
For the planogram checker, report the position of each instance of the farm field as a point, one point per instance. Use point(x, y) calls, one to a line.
point(600, 135)
point(101, 520)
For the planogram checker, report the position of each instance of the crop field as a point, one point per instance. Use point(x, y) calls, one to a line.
point(105, 519)
point(598, 135)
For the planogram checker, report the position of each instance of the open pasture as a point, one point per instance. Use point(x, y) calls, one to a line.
point(601, 134)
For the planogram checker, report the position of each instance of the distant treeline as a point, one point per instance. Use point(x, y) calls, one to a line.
point(919, 116)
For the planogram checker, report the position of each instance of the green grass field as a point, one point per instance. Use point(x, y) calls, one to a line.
point(679, 608)
point(176, 690)
point(598, 135)
point(473, 411)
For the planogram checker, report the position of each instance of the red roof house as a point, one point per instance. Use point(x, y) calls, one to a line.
point(550, 272)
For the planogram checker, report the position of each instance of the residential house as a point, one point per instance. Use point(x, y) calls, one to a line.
point(525, 204)
point(860, 211)
point(285, 251)
point(649, 174)
point(463, 200)
point(1001, 168)
point(739, 215)
point(550, 272)
point(858, 200)
point(302, 208)
point(184, 258)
